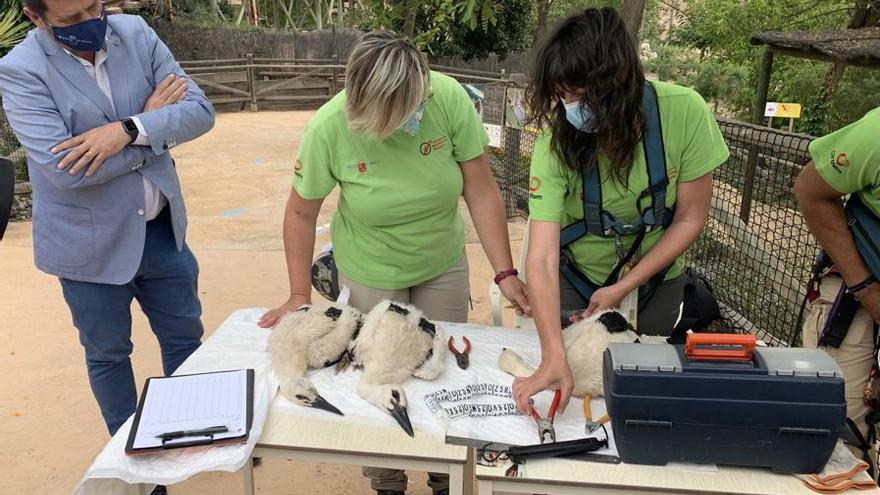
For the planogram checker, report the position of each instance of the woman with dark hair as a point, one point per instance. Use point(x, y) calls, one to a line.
point(621, 181)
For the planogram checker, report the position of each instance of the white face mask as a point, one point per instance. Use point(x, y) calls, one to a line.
point(580, 116)
point(413, 124)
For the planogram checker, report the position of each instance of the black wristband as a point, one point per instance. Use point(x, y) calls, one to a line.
point(864, 284)
point(131, 129)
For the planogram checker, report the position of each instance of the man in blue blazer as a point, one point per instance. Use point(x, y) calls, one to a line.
point(98, 103)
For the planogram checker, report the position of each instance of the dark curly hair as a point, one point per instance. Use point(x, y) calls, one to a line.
point(37, 6)
point(591, 51)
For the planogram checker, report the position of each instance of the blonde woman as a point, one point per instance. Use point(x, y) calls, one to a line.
point(403, 143)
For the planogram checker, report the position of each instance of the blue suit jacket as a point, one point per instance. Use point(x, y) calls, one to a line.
point(92, 228)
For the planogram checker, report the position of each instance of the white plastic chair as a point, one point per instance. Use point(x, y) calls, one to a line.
point(496, 300)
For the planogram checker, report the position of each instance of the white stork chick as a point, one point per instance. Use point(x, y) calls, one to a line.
point(396, 342)
point(311, 337)
point(585, 344)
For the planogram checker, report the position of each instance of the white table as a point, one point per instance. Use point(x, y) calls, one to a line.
point(337, 442)
point(566, 477)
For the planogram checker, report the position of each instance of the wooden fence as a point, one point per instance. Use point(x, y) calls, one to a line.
point(253, 83)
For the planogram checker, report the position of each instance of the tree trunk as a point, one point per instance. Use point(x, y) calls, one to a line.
point(542, 9)
point(317, 8)
point(409, 20)
point(633, 12)
point(276, 14)
point(252, 12)
point(215, 10)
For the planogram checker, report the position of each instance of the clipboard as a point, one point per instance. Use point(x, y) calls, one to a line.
point(203, 400)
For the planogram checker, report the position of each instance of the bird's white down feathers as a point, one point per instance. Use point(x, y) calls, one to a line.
point(310, 338)
point(395, 343)
point(585, 344)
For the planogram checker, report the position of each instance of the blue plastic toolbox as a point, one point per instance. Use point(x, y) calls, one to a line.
point(781, 408)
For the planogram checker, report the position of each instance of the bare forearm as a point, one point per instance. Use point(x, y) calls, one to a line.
point(490, 220)
point(827, 222)
point(543, 289)
point(299, 243)
point(672, 244)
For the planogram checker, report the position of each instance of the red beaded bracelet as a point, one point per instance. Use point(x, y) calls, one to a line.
point(504, 274)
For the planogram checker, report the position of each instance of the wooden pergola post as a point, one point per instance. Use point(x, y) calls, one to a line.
point(757, 119)
point(763, 87)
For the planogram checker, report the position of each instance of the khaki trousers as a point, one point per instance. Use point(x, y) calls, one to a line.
point(444, 298)
point(855, 355)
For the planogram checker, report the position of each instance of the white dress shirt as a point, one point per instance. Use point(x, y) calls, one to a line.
point(154, 200)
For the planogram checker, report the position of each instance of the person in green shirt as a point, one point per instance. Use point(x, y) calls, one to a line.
point(403, 144)
point(586, 96)
point(845, 162)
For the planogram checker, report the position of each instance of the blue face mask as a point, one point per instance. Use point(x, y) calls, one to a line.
point(580, 116)
point(414, 123)
point(86, 36)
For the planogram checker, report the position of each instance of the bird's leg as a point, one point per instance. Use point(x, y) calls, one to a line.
point(434, 365)
point(511, 363)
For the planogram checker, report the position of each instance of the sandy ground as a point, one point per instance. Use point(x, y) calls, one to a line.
point(236, 181)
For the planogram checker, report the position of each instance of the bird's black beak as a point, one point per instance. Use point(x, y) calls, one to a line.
point(321, 403)
point(400, 415)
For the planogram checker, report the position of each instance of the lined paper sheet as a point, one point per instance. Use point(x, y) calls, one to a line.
point(193, 402)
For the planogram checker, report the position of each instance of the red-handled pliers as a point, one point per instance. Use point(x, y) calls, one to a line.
point(462, 357)
point(545, 425)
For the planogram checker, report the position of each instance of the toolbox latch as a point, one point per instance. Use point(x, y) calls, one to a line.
point(647, 425)
point(792, 433)
point(784, 372)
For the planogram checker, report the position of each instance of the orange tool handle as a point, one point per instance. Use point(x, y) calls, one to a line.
point(707, 347)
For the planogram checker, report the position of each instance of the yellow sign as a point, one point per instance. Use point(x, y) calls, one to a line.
point(784, 110)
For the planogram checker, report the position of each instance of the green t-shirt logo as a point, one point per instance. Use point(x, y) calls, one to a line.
point(534, 185)
point(433, 145)
point(841, 162)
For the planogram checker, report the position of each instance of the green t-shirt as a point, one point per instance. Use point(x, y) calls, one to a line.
point(849, 159)
point(397, 224)
point(694, 147)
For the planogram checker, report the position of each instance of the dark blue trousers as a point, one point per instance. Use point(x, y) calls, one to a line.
point(166, 287)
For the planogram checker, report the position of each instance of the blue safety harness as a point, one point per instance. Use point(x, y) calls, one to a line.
point(599, 222)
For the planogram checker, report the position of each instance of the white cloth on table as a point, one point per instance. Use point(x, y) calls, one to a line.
point(487, 343)
point(238, 343)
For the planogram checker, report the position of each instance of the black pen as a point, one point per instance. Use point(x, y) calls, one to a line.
point(193, 433)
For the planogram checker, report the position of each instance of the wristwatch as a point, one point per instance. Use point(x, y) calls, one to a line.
point(131, 129)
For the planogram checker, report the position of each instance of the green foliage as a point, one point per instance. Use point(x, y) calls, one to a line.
point(562, 8)
point(13, 26)
point(718, 31)
point(512, 30)
point(462, 28)
point(719, 83)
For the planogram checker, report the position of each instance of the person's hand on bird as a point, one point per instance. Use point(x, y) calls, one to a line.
point(271, 317)
point(514, 290)
point(605, 298)
point(553, 374)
